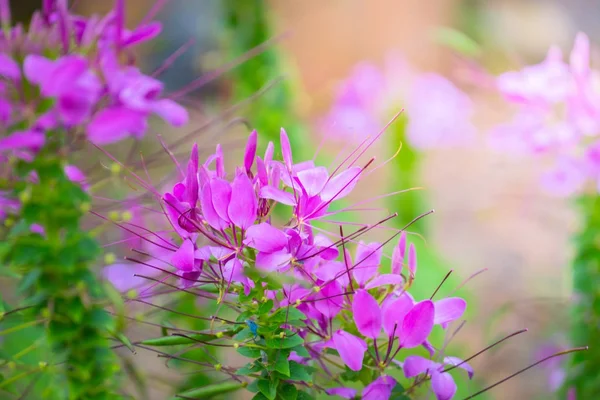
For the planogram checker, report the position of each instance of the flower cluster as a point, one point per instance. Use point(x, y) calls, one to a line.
point(557, 114)
point(439, 113)
point(66, 78)
point(75, 74)
point(303, 281)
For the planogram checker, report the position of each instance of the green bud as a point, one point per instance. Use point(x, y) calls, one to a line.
point(114, 215)
point(126, 216)
point(110, 258)
point(218, 367)
point(115, 168)
point(85, 207)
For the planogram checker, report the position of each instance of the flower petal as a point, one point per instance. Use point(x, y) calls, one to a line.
point(398, 254)
point(350, 348)
point(22, 139)
point(183, 258)
point(367, 314)
point(341, 185)
point(113, 124)
point(272, 193)
point(380, 389)
point(171, 112)
point(250, 153)
point(415, 365)
point(457, 362)
point(346, 393)
point(265, 238)
point(443, 385)
point(243, 205)
point(385, 279)
point(448, 310)
point(417, 324)
point(393, 312)
point(313, 180)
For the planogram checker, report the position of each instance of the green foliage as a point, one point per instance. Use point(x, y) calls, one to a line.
point(583, 371)
point(64, 295)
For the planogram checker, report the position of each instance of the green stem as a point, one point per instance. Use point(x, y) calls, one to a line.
point(58, 280)
point(585, 330)
point(209, 391)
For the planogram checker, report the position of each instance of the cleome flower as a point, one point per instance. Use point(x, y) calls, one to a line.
point(75, 74)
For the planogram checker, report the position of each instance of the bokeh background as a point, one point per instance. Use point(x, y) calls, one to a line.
point(490, 211)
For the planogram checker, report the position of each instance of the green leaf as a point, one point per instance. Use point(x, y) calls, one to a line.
point(287, 314)
point(458, 41)
point(268, 388)
point(125, 340)
point(250, 368)
point(209, 391)
point(298, 372)
point(282, 365)
point(286, 343)
point(301, 351)
point(265, 307)
point(302, 395)
point(29, 279)
point(259, 396)
point(243, 335)
point(287, 391)
point(250, 352)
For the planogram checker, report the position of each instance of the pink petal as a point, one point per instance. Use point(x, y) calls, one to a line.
point(250, 153)
point(174, 210)
point(443, 385)
point(313, 180)
point(113, 124)
point(37, 69)
point(243, 205)
point(269, 192)
point(329, 300)
point(22, 139)
point(341, 185)
point(142, 34)
point(221, 197)
point(412, 260)
point(367, 262)
point(208, 210)
point(286, 149)
point(9, 68)
point(580, 56)
point(264, 237)
point(367, 314)
point(449, 309)
point(385, 279)
point(417, 324)
point(380, 389)
point(455, 361)
point(398, 254)
point(393, 312)
point(350, 348)
point(333, 270)
point(346, 393)
point(273, 261)
point(171, 112)
point(183, 258)
point(415, 365)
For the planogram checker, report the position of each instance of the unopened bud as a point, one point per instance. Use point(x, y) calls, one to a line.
point(115, 168)
point(236, 345)
point(218, 367)
point(42, 365)
point(298, 302)
point(24, 196)
point(244, 384)
point(219, 335)
point(85, 207)
point(281, 335)
point(113, 215)
point(317, 289)
point(126, 216)
point(110, 258)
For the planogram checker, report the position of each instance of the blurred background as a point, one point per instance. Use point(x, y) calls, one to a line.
point(490, 211)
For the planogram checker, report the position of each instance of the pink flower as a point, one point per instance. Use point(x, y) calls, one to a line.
point(442, 383)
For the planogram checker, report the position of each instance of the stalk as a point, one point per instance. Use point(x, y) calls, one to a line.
point(57, 278)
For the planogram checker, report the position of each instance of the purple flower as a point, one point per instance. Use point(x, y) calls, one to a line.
point(442, 383)
point(350, 348)
point(380, 389)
